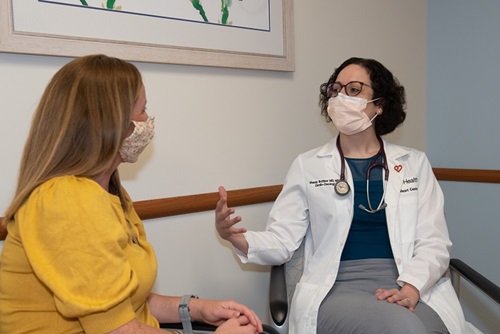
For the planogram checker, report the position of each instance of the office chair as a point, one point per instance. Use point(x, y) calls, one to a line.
point(286, 276)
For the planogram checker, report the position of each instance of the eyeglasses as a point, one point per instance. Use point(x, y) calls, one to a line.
point(352, 88)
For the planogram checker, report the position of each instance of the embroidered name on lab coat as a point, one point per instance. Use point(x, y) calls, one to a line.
point(412, 184)
point(323, 182)
point(412, 180)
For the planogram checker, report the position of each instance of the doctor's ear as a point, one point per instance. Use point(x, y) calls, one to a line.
point(379, 104)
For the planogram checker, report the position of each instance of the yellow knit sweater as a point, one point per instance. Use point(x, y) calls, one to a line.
point(74, 262)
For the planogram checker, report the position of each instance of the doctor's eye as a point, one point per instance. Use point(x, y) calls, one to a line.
point(353, 90)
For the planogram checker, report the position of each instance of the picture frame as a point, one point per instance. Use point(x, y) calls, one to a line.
point(189, 42)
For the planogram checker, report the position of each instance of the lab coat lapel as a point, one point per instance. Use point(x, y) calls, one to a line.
point(339, 206)
point(397, 171)
point(330, 149)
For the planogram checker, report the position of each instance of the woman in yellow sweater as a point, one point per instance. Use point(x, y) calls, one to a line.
point(76, 259)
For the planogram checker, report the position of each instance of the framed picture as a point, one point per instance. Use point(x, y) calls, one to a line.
point(251, 34)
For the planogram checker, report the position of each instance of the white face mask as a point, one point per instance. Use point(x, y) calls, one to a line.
point(137, 141)
point(347, 113)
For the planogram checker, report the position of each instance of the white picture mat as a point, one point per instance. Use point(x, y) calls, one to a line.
point(34, 27)
point(253, 14)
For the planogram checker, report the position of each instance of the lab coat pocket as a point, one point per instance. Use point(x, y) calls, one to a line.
point(407, 217)
point(408, 198)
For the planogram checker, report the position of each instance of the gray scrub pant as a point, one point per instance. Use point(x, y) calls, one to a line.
point(351, 305)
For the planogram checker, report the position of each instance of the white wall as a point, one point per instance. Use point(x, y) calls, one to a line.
point(232, 127)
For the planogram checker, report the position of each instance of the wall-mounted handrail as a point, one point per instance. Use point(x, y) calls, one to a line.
point(467, 175)
point(179, 205)
point(204, 202)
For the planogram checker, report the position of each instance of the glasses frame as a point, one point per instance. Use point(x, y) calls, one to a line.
point(344, 87)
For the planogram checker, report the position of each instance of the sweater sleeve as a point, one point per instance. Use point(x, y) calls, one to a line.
point(75, 243)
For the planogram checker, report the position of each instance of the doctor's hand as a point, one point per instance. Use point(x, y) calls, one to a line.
point(225, 224)
point(407, 297)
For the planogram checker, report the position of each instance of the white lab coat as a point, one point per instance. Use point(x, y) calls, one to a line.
point(309, 207)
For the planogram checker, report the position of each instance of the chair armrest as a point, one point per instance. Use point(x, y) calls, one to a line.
point(278, 298)
point(197, 326)
point(203, 327)
point(476, 279)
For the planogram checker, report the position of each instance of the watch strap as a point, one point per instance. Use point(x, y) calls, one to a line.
point(184, 313)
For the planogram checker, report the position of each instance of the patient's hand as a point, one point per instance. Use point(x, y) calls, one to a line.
point(216, 312)
point(239, 325)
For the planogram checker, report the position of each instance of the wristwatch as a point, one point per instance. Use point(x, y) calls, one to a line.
point(184, 313)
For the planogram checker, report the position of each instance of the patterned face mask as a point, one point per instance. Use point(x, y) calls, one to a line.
point(137, 141)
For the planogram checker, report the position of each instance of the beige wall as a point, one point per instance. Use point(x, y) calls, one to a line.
point(232, 127)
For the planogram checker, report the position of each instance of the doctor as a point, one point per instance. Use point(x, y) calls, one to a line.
point(371, 213)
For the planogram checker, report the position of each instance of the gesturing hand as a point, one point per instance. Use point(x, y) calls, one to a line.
point(225, 224)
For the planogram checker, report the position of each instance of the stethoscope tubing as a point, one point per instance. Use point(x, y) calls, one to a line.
point(342, 183)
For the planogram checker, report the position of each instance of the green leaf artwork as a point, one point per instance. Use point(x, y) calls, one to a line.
point(110, 4)
point(225, 6)
point(199, 7)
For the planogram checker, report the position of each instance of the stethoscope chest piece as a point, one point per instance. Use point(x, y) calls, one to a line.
point(342, 187)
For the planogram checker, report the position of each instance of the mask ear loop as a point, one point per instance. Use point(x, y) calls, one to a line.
point(377, 113)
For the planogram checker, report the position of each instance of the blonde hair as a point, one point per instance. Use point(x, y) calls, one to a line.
point(79, 125)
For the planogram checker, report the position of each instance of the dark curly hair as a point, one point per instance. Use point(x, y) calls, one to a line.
point(385, 86)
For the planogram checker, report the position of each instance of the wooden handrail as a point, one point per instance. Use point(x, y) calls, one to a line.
point(179, 205)
point(467, 175)
point(172, 206)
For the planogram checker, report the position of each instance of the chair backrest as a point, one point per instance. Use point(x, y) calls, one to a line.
point(284, 278)
point(293, 271)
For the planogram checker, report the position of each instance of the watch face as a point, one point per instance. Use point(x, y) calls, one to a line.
point(342, 187)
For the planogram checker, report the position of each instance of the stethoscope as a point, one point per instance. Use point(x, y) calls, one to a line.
point(342, 188)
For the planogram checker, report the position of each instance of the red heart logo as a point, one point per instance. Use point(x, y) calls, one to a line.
point(398, 168)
